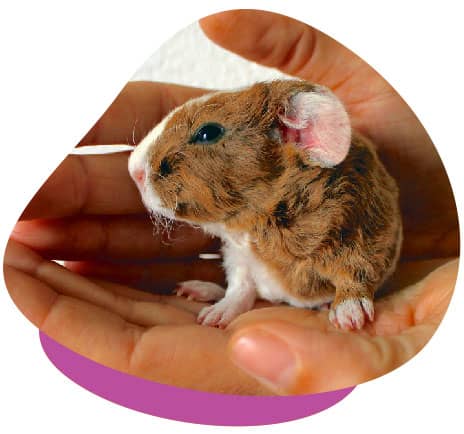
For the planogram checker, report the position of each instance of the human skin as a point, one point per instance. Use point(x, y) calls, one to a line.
point(89, 214)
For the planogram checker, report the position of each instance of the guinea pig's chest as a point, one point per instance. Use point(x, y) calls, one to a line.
point(240, 259)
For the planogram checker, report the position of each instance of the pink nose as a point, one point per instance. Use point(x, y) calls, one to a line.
point(139, 176)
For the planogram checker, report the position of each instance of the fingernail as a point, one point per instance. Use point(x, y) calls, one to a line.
point(266, 357)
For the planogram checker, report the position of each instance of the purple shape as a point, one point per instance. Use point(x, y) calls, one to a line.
point(184, 404)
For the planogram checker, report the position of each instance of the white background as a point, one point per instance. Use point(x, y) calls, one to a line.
point(62, 65)
point(190, 58)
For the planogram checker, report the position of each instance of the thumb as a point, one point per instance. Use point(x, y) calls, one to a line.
point(289, 359)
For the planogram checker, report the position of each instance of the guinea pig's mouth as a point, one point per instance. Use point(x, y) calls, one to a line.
point(154, 207)
point(153, 203)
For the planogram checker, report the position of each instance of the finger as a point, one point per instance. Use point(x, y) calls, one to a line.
point(290, 359)
point(191, 306)
point(120, 238)
point(67, 283)
point(281, 42)
point(35, 299)
point(134, 312)
point(136, 110)
point(419, 292)
point(87, 184)
point(432, 295)
point(160, 277)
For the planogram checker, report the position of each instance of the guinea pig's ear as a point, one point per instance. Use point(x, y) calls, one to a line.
point(317, 122)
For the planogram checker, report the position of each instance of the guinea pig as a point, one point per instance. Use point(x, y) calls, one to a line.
point(307, 213)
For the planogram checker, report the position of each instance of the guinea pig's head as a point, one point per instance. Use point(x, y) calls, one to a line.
point(223, 152)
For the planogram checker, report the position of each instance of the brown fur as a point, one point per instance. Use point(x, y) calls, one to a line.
point(321, 230)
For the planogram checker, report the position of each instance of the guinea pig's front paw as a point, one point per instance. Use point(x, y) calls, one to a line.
point(200, 290)
point(223, 312)
point(352, 313)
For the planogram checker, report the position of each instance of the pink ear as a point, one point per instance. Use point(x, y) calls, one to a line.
point(318, 123)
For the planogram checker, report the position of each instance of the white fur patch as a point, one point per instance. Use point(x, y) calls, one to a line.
point(239, 260)
point(139, 157)
point(138, 160)
point(352, 313)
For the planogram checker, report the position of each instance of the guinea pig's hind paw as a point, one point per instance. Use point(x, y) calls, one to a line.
point(200, 291)
point(352, 313)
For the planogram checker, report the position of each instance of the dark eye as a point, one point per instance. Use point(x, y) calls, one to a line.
point(165, 168)
point(208, 133)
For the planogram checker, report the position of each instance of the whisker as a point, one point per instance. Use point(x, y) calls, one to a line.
point(133, 131)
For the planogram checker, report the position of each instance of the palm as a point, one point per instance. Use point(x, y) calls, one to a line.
point(156, 337)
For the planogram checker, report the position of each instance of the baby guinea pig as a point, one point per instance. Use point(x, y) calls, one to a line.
point(306, 211)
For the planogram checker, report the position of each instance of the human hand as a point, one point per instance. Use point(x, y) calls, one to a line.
point(375, 108)
point(303, 351)
point(284, 350)
point(92, 217)
point(293, 352)
point(155, 337)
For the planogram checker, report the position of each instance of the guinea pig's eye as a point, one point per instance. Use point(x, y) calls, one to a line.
point(208, 133)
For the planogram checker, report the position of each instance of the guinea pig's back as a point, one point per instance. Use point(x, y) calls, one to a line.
point(366, 224)
point(331, 222)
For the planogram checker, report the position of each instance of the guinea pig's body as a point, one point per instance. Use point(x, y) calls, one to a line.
point(307, 213)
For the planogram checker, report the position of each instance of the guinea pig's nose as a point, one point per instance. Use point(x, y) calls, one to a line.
point(139, 176)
